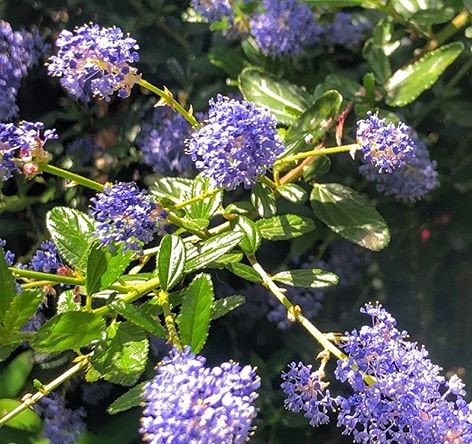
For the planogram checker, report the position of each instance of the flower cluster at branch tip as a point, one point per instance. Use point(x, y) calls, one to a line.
point(409, 183)
point(24, 142)
point(8, 255)
point(125, 215)
point(237, 144)
point(386, 146)
point(187, 402)
point(19, 51)
point(61, 424)
point(285, 28)
point(399, 396)
point(46, 259)
point(347, 31)
point(95, 61)
point(162, 142)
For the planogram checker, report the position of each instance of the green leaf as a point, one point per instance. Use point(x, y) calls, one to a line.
point(227, 258)
point(307, 278)
point(252, 236)
point(223, 306)
point(284, 227)
point(15, 375)
point(245, 271)
point(27, 420)
point(122, 357)
point(313, 124)
point(206, 208)
point(7, 286)
point(68, 301)
point(293, 193)
point(211, 249)
point(318, 168)
point(170, 261)
point(175, 189)
point(68, 331)
point(241, 207)
point(285, 100)
point(429, 17)
point(350, 214)
point(263, 200)
point(72, 232)
point(140, 317)
point(132, 398)
point(343, 3)
point(409, 82)
point(22, 308)
point(195, 312)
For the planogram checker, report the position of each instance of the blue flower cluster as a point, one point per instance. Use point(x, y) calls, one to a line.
point(411, 182)
point(162, 142)
point(83, 149)
point(285, 28)
point(237, 144)
point(9, 255)
point(19, 51)
point(95, 61)
point(125, 215)
point(346, 31)
point(386, 146)
point(213, 10)
point(187, 402)
point(46, 259)
point(24, 142)
point(61, 425)
point(399, 395)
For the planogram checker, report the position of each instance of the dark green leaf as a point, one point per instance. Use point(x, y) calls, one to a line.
point(252, 236)
point(22, 308)
point(122, 357)
point(245, 271)
point(223, 306)
point(27, 420)
point(132, 398)
point(285, 100)
point(68, 331)
point(15, 375)
point(195, 313)
point(170, 261)
point(293, 193)
point(284, 227)
point(409, 82)
point(307, 278)
point(428, 17)
point(351, 215)
point(72, 232)
point(318, 168)
point(7, 286)
point(263, 200)
point(242, 207)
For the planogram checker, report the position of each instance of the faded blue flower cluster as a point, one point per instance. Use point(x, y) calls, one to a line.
point(213, 10)
point(25, 142)
point(347, 261)
point(237, 143)
point(19, 51)
point(285, 28)
point(83, 149)
point(46, 259)
point(95, 61)
point(187, 402)
point(61, 424)
point(384, 145)
point(162, 142)
point(125, 215)
point(409, 183)
point(347, 31)
point(399, 395)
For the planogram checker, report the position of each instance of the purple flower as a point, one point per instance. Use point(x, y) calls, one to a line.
point(125, 215)
point(409, 183)
point(285, 27)
point(61, 425)
point(83, 149)
point(237, 144)
point(46, 259)
point(187, 402)
point(95, 61)
point(9, 255)
point(162, 142)
point(386, 146)
point(213, 10)
point(347, 31)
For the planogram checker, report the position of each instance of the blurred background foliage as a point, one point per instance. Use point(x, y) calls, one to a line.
point(424, 277)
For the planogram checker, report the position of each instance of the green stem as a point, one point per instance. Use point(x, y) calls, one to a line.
point(56, 171)
point(37, 284)
point(46, 276)
point(169, 99)
point(30, 399)
point(318, 152)
point(173, 219)
point(202, 196)
point(163, 301)
point(267, 181)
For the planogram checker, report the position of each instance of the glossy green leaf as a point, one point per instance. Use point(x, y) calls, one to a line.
point(284, 227)
point(307, 278)
point(122, 357)
point(221, 307)
point(263, 200)
point(285, 100)
point(350, 214)
point(132, 398)
point(293, 193)
point(241, 207)
point(205, 208)
point(7, 286)
point(68, 331)
point(22, 308)
point(195, 312)
point(27, 420)
point(170, 261)
point(252, 236)
point(429, 17)
point(175, 189)
point(409, 82)
point(72, 232)
point(227, 258)
point(245, 271)
point(15, 375)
